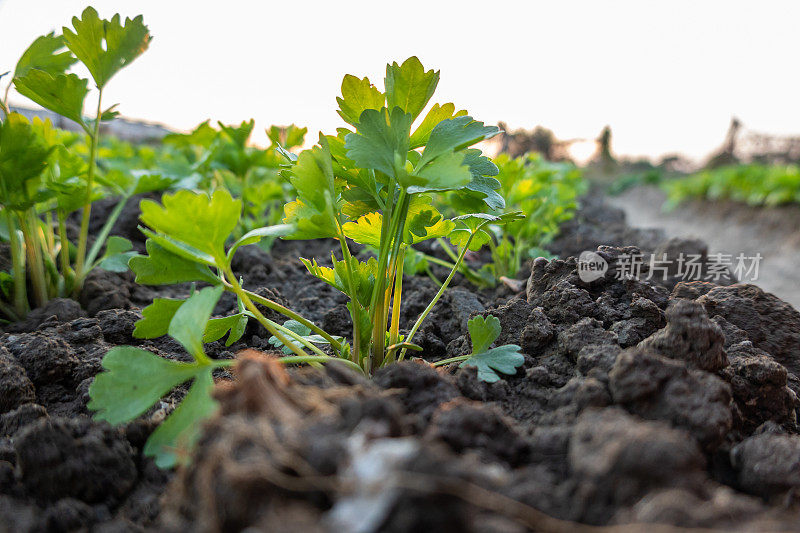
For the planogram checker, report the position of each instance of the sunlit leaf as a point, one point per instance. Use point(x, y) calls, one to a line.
point(106, 46)
point(45, 54)
point(409, 86)
point(357, 96)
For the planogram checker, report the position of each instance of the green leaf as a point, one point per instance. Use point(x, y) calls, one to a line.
point(504, 359)
point(297, 327)
point(455, 134)
point(162, 267)
point(424, 221)
point(409, 86)
point(218, 327)
point(61, 93)
point(476, 223)
point(239, 134)
point(200, 221)
point(23, 158)
point(363, 276)
point(189, 323)
point(254, 236)
point(41, 54)
point(312, 177)
point(286, 137)
point(357, 96)
point(310, 223)
point(134, 380)
point(106, 46)
point(156, 318)
point(483, 184)
point(118, 253)
point(483, 332)
point(203, 136)
point(435, 115)
point(445, 173)
point(171, 443)
point(381, 140)
point(179, 248)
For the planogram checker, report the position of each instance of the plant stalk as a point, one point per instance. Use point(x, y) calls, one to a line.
point(237, 289)
point(18, 263)
point(294, 316)
point(83, 238)
point(63, 253)
point(294, 359)
point(439, 294)
point(27, 222)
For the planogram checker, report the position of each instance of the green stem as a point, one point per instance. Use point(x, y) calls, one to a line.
point(467, 271)
point(9, 311)
point(64, 251)
point(4, 101)
point(27, 222)
point(351, 285)
point(49, 235)
point(294, 316)
point(293, 359)
point(83, 238)
point(299, 338)
point(248, 303)
point(18, 263)
point(394, 239)
point(439, 294)
point(380, 279)
point(429, 272)
point(101, 238)
point(447, 249)
point(394, 330)
point(452, 360)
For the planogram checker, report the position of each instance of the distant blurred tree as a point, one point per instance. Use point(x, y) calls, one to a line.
point(603, 156)
point(726, 154)
point(541, 140)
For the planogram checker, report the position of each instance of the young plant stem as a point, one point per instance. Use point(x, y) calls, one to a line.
point(28, 222)
point(18, 263)
point(248, 303)
point(452, 360)
point(430, 274)
point(101, 238)
point(49, 235)
point(299, 338)
point(9, 311)
point(294, 316)
point(447, 249)
point(394, 330)
point(439, 294)
point(471, 274)
point(4, 101)
point(64, 250)
point(379, 289)
point(295, 359)
point(83, 237)
point(398, 221)
point(351, 285)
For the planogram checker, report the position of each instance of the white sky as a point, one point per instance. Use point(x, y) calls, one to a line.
point(667, 76)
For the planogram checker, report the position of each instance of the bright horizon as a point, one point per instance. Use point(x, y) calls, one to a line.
point(666, 77)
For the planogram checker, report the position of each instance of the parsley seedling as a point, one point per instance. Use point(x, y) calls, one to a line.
point(42, 180)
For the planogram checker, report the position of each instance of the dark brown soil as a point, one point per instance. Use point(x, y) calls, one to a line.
point(639, 404)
